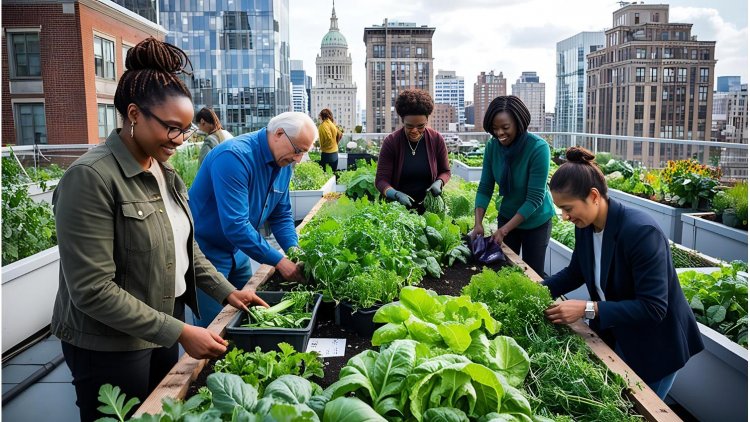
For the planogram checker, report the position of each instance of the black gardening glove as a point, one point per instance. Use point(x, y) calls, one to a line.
point(436, 188)
point(401, 197)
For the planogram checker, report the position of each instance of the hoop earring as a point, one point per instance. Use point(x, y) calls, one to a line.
point(132, 129)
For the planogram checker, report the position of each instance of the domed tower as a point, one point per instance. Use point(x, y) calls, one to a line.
point(334, 88)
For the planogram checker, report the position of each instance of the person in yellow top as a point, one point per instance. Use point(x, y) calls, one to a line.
point(329, 135)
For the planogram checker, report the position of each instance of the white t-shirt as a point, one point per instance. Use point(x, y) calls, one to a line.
point(598, 262)
point(178, 219)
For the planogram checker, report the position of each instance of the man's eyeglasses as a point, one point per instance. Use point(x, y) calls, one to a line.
point(297, 151)
point(173, 132)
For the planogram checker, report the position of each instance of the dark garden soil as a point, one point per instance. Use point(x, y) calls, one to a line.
point(451, 283)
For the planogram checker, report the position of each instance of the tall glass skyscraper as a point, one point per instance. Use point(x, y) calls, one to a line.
point(570, 101)
point(240, 55)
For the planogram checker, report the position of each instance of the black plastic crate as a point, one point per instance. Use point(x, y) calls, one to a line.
point(359, 321)
point(269, 338)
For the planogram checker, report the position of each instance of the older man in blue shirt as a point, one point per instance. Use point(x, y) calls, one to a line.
point(242, 183)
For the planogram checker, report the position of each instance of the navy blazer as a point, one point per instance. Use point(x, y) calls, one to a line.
point(645, 310)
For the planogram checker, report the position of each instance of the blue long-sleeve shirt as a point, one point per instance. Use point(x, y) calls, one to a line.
point(237, 189)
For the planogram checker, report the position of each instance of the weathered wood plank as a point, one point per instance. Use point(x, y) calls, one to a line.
point(177, 381)
point(645, 401)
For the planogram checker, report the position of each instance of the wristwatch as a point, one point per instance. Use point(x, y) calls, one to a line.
point(589, 313)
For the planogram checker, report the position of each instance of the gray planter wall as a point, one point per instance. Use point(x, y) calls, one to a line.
point(304, 200)
point(470, 174)
point(38, 195)
point(667, 217)
point(713, 384)
point(558, 257)
point(713, 239)
point(29, 288)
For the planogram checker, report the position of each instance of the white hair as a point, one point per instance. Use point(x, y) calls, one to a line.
point(292, 122)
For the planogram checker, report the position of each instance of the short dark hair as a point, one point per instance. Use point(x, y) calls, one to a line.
point(578, 175)
point(153, 74)
point(414, 102)
point(326, 114)
point(209, 116)
point(514, 106)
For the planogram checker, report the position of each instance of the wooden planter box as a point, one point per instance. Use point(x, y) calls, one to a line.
point(470, 174)
point(304, 200)
point(713, 384)
point(713, 238)
point(37, 194)
point(667, 217)
point(645, 401)
point(29, 288)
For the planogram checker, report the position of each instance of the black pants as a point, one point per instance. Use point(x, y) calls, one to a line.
point(137, 373)
point(533, 243)
point(330, 159)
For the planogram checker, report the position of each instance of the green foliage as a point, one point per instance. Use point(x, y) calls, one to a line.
point(738, 197)
point(683, 258)
point(601, 158)
point(28, 227)
point(721, 202)
point(186, 164)
point(293, 311)
point(114, 403)
point(635, 184)
point(435, 204)
point(564, 232)
point(360, 183)
point(469, 160)
point(314, 156)
point(259, 369)
point(688, 190)
point(621, 166)
point(719, 300)
point(309, 176)
point(45, 174)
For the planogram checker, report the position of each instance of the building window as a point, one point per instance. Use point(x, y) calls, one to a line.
point(655, 17)
point(639, 93)
point(125, 49)
point(702, 93)
point(638, 112)
point(640, 53)
point(668, 53)
point(31, 124)
point(25, 52)
point(682, 75)
point(668, 75)
point(704, 75)
point(665, 36)
point(654, 74)
point(640, 74)
point(104, 58)
point(107, 120)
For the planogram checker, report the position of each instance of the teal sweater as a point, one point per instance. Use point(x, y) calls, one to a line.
point(529, 195)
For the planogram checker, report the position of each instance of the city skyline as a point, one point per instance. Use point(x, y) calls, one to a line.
point(465, 34)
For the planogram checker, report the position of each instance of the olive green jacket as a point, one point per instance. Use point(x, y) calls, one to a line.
point(117, 254)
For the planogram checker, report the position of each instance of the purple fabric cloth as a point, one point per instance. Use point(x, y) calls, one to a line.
point(486, 251)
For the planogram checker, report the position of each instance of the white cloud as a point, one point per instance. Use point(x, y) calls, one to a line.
point(509, 36)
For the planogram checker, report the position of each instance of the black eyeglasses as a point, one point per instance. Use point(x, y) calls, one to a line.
point(420, 127)
point(297, 151)
point(173, 132)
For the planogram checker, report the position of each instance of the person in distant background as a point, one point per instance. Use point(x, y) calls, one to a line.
point(330, 136)
point(637, 305)
point(517, 161)
point(208, 123)
point(414, 159)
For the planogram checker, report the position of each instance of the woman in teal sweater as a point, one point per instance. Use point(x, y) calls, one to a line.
point(518, 162)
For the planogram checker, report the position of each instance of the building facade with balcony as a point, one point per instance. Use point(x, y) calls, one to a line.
point(487, 87)
point(61, 64)
point(334, 88)
point(653, 78)
point(531, 92)
point(449, 89)
point(398, 57)
point(240, 55)
point(301, 87)
point(571, 65)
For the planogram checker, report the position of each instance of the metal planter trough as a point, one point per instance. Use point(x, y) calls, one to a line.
point(713, 384)
point(40, 274)
point(667, 217)
point(470, 174)
point(268, 338)
point(304, 200)
point(713, 239)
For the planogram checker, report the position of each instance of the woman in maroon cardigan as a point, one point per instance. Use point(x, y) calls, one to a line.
point(413, 160)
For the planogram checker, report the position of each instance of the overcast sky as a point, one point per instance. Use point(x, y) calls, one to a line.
point(508, 36)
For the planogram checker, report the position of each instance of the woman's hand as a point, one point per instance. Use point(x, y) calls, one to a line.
point(566, 312)
point(477, 231)
point(240, 299)
point(201, 343)
point(499, 235)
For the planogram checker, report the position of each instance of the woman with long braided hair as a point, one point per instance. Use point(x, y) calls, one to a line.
point(128, 261)
point(518, 162)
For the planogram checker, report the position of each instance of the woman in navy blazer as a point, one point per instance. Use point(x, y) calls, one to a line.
point(637, 305)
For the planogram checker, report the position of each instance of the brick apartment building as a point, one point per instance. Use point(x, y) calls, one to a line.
point(442, 117)
point(61, 61)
